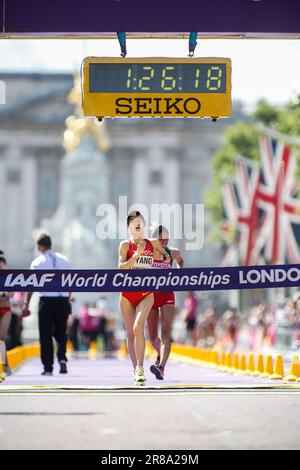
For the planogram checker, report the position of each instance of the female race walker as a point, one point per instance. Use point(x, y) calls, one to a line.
point(138, 253)
point(163, 307)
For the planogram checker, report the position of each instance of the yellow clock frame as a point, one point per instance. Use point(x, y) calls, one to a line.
point(155, 104)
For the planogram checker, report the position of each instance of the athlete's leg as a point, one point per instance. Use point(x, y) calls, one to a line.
point(194, 335)
point(2, 352)
point(128, 313)
point(143, 311)
point(152, 321)
point(3, 374)
point(167, 315)
point(4, 327)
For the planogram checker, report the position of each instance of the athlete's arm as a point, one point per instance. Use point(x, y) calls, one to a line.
point(123, 250)
point(27, 298)
point(164, 254)
point(176, 255)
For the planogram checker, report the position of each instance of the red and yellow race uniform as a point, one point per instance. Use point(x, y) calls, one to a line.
point(145, 261)
point(4, 311)
point(4, 304)
point(163, 298)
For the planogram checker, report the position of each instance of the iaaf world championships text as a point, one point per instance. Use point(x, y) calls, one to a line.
point(111, 280)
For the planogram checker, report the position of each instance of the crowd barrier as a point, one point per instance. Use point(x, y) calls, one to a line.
point(17, 356)
point(260, 365)
point(263, 366)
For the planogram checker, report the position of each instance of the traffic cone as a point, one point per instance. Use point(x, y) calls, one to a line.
point(202, 355)
point(242, 365)
point(92, 353)
point(235, 363)
point(251, 365)
point(123, 351)
point(206, 358)
point(228, 362)
point(222, 365)
point(2, 363)
point(294, 371)
point(268, 368)
point(259, 367)
point(215, 360)
point(210, 358)
point(279, 368)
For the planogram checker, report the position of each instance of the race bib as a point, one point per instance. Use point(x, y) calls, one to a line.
point(143, 262)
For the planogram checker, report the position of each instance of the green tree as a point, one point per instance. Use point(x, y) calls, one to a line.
point(241, 139)
point(266, 113)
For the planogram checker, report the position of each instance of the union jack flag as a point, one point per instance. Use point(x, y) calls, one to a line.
point(277, 197)
point(229, 225)
point(262, 206)
point(242, 210)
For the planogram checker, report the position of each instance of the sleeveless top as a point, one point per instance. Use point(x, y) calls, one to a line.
point(162, 264)
point(145, 260)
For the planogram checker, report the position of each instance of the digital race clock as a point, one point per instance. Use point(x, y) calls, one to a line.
point(156, 87)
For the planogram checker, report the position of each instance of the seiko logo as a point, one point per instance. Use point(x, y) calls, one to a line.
point(157, 106)
point(26, 281)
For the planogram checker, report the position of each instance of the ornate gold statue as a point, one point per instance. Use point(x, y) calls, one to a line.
point(77, 126)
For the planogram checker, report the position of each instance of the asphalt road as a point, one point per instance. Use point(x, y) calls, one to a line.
point(95, 407)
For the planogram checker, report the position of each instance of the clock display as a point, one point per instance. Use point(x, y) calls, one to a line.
point(157, 78)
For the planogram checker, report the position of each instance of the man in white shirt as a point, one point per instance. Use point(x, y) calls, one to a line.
point(54, 308)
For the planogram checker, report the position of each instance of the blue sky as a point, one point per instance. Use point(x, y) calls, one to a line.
point(261, 68)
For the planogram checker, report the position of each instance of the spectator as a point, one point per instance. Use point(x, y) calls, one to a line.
point(89, 324)
point(189, 314)
point(73, 325)
point(294, 319)
point(54, 309)
point(5, 319)
point(110, 327)
point(15, 330)
point(207, 327)
point(230, 329)
point(102, 310)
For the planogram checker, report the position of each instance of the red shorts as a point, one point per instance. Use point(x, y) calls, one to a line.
point(4, 311)
point(163, 298)
point(135, 298)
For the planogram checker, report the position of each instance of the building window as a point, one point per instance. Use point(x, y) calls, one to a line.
point(156, 178)
point(47, 193)
point(13, 176)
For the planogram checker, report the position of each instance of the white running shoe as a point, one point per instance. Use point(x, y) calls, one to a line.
point(139, 378)
point(2, 377)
